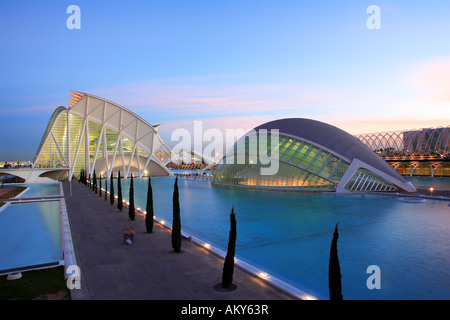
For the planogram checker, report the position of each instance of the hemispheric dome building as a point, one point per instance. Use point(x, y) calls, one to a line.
point(307, 155)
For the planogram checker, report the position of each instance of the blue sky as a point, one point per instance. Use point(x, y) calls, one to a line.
point(231, 64)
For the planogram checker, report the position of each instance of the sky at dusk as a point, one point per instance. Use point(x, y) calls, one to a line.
point(231, 64)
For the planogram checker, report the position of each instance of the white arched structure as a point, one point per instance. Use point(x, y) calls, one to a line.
point(97, 134)
point(417, 144)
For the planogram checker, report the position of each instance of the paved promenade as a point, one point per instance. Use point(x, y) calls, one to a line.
point(147, 269)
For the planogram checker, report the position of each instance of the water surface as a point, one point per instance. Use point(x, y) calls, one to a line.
point(289, 235)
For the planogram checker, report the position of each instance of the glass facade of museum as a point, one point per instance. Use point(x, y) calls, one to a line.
point(302, 166)
point(96, 134)
point(305, 156)
point(364, 180)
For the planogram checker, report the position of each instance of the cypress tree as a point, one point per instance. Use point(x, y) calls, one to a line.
point(94, 183)
point(119, 193)
point(100, 186)
point(111, 193)
point(106, 190)
point(131, 212)
point(228, 266)
point(334, 270)
point(149, 208)
point(176, 225)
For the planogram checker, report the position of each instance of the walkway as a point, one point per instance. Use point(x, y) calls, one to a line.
point(147, 269)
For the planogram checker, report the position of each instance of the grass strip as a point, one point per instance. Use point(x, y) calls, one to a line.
point(43, 284)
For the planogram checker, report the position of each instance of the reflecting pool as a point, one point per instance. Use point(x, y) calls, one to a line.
point(30, 234)
point(39, 189)
point(289, 235)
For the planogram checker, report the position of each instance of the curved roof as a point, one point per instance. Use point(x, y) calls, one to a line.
point(331, 137)
point(425, 142)
point(109, 131)
point(49, 127)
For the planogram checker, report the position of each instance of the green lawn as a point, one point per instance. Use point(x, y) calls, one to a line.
point(45, 284)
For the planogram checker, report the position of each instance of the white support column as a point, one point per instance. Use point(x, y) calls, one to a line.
point(130, 161)
point(105, 146)
point(58, 148)
point(105, 154)
point(138, 161)
point(137, 149)
point(86, 148)
point(80, 139)
point(123, 158)
point(147, 162)
point(68, 146)
point(98, 147)
point(115, 152)
point(86, 135)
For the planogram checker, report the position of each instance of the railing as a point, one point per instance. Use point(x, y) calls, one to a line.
point(193, 175)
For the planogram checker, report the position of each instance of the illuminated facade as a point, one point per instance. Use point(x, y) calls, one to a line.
point(96, 134)
point(311, 156)
point(423, 152)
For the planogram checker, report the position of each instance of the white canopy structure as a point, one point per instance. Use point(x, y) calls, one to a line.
point(97, 134)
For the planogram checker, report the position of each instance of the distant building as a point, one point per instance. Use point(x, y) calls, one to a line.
point(423, 152)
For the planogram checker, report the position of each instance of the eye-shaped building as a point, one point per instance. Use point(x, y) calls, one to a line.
point(297, 154)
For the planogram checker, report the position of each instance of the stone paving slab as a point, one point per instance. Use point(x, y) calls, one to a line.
point(147, 269)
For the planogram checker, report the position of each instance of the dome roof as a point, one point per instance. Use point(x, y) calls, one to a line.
point(332, 138)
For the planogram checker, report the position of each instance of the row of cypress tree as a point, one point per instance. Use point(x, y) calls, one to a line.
point(86, 179)
point(334, 273)
point(228, 267)
point(149, 218)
